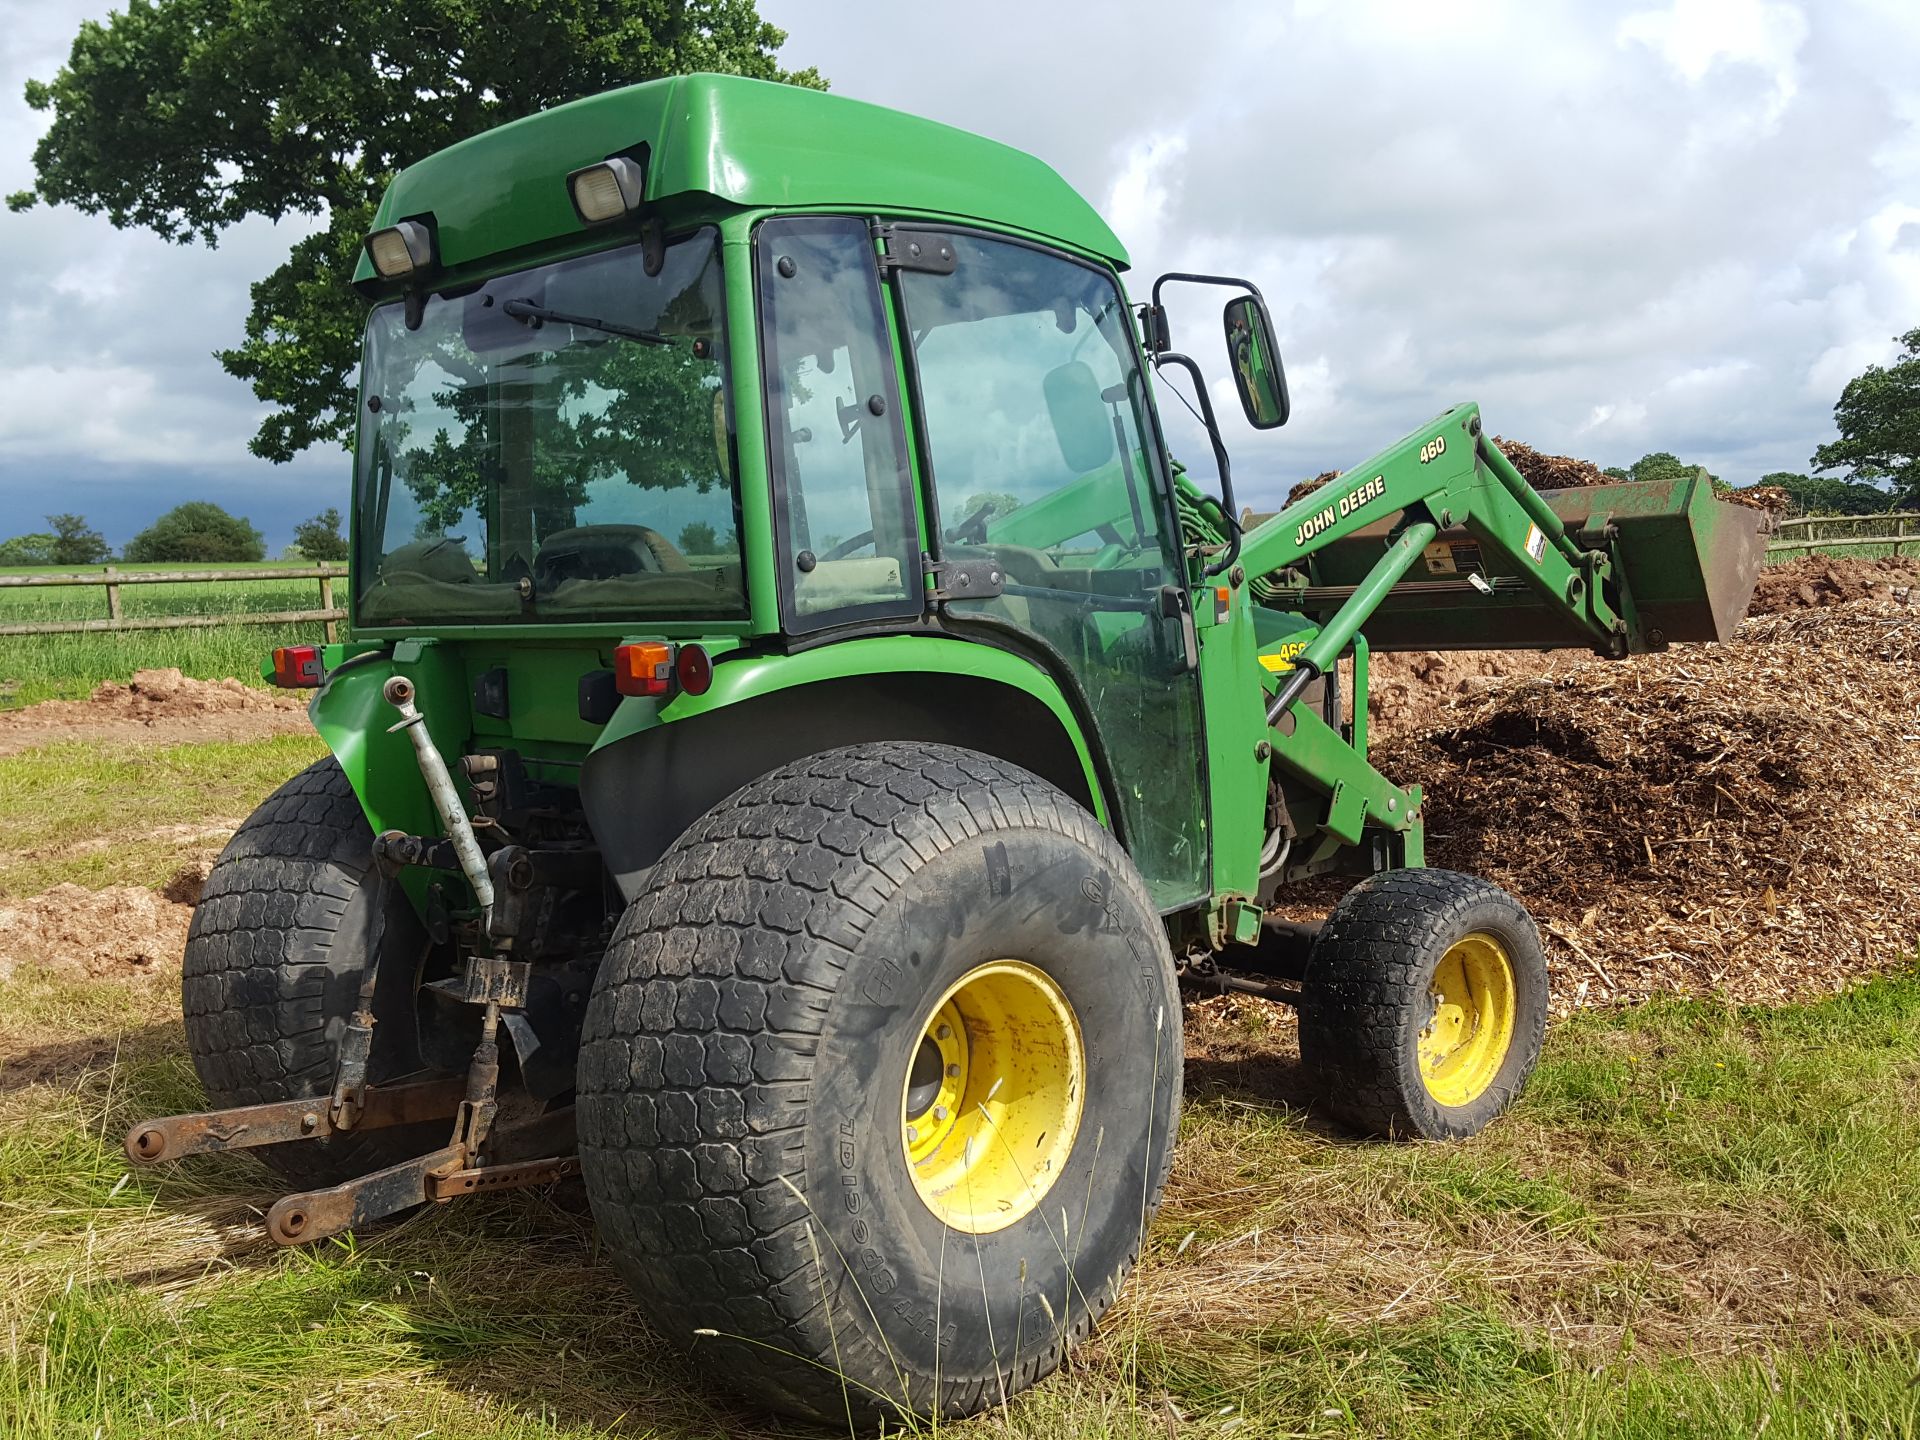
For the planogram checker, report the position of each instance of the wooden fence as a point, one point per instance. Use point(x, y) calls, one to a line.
point(113, 580)
point(1835, 532)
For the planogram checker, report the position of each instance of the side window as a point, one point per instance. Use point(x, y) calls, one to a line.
point(1034, 411)
point(849, 541)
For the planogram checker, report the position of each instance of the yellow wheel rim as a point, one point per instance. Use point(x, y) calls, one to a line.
point(1470, 1029)
point(993, 1094)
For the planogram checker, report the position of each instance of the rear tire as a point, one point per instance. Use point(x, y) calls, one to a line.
point(272, 971)
point(759, 1042)
point(1424, 1004)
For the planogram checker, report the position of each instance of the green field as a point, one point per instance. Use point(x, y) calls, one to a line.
point(1701, 1221)
point(68, 667)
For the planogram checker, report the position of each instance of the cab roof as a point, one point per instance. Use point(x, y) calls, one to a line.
point(750, 143)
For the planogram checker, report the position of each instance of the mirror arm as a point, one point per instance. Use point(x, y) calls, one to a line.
point(1195, 279)
point(1227, 507)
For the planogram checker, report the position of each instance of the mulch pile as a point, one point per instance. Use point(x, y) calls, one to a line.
point(1726, 818)
point(1552, 472)
point(1307, 487)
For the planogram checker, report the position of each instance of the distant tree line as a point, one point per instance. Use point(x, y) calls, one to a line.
point(198, 532)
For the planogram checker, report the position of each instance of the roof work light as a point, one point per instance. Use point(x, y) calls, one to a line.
point(609, 190)
point(401, 250)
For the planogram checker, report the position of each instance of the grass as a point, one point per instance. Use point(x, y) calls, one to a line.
point(1701, 1220)
point(1698, 1223)
point(130, 815)
point(68, 667)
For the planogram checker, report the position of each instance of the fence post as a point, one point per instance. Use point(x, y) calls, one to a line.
point(113, 596)
point(326, 602)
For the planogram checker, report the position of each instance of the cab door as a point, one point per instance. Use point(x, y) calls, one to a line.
point(845, 522)
point(1033, 407)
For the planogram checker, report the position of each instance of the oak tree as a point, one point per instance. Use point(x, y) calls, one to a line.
point(185, 117)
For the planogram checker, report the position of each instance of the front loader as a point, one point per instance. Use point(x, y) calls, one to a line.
point(801, 727)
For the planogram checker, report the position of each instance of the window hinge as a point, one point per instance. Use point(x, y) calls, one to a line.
point(927, 251)
point(963, 579)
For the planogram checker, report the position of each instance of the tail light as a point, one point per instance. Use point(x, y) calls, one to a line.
point(298, 667)
point(645, 668)
point(694, 667)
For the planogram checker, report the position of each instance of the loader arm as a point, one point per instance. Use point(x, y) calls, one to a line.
point(1312, 579)
point(1443, 475)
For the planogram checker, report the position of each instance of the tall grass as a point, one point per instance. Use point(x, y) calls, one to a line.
point(68, 667)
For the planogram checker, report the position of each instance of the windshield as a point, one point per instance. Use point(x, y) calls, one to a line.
point(552, 445)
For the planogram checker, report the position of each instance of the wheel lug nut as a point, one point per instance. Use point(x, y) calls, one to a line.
point(912, 1134)
point(953, 1072)
point(945, 1032)
point(939, 1112)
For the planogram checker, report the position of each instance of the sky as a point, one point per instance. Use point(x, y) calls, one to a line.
point(1680, 225)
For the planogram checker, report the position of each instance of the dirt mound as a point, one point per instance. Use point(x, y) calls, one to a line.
point(1552, 472)
point(97, 934)
point(1725, 818)
point(156, 693)
point(1815, 580)
point(158, 705)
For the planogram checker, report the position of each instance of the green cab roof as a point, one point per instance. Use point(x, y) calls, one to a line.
point(751, 143)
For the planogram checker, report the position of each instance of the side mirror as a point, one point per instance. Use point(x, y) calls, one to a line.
point(1255, 359)
point(1081, 423)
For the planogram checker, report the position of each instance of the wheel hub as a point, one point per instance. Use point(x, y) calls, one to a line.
point(1466, 1040)
point(992, 1098)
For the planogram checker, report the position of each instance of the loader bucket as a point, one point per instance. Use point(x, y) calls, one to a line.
point(1690, 563)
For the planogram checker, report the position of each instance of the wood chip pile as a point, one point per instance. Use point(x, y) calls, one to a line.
point(1735, 818)
point(1552, 472)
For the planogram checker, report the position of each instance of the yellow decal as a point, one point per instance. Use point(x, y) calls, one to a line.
point(1282, 659)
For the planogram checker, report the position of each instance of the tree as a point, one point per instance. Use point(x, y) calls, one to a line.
point(698, 538)
point(34, 549)
point(1878, 417)
point(195, 532)
point(1820, 495)
point(186, 116)
point(74, 543)
point(320, 537)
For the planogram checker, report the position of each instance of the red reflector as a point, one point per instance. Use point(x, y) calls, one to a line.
point(644, 669)
point(695, 669)
point(298, 667)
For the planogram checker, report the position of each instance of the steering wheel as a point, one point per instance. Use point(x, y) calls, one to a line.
point(847, 546)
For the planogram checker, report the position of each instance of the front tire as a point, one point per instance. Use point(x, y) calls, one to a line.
point(768, 1105)
point(1424, 1004)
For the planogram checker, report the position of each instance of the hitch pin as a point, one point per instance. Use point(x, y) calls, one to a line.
point(399, 694)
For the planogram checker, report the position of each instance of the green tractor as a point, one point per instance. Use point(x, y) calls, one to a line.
point(801, 727)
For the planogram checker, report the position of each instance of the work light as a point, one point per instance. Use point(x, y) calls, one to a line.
point(400, 250)
point(607, 191)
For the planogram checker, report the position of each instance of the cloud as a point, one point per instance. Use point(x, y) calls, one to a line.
point(1678, 226)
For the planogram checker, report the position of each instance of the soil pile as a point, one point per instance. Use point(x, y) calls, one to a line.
point(158, 705)
point(1729, 818)
point(1815, 580)
point(97, 934)
point(152, 694)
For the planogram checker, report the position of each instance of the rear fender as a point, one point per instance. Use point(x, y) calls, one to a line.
point(354, 719)
point(657, 768)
